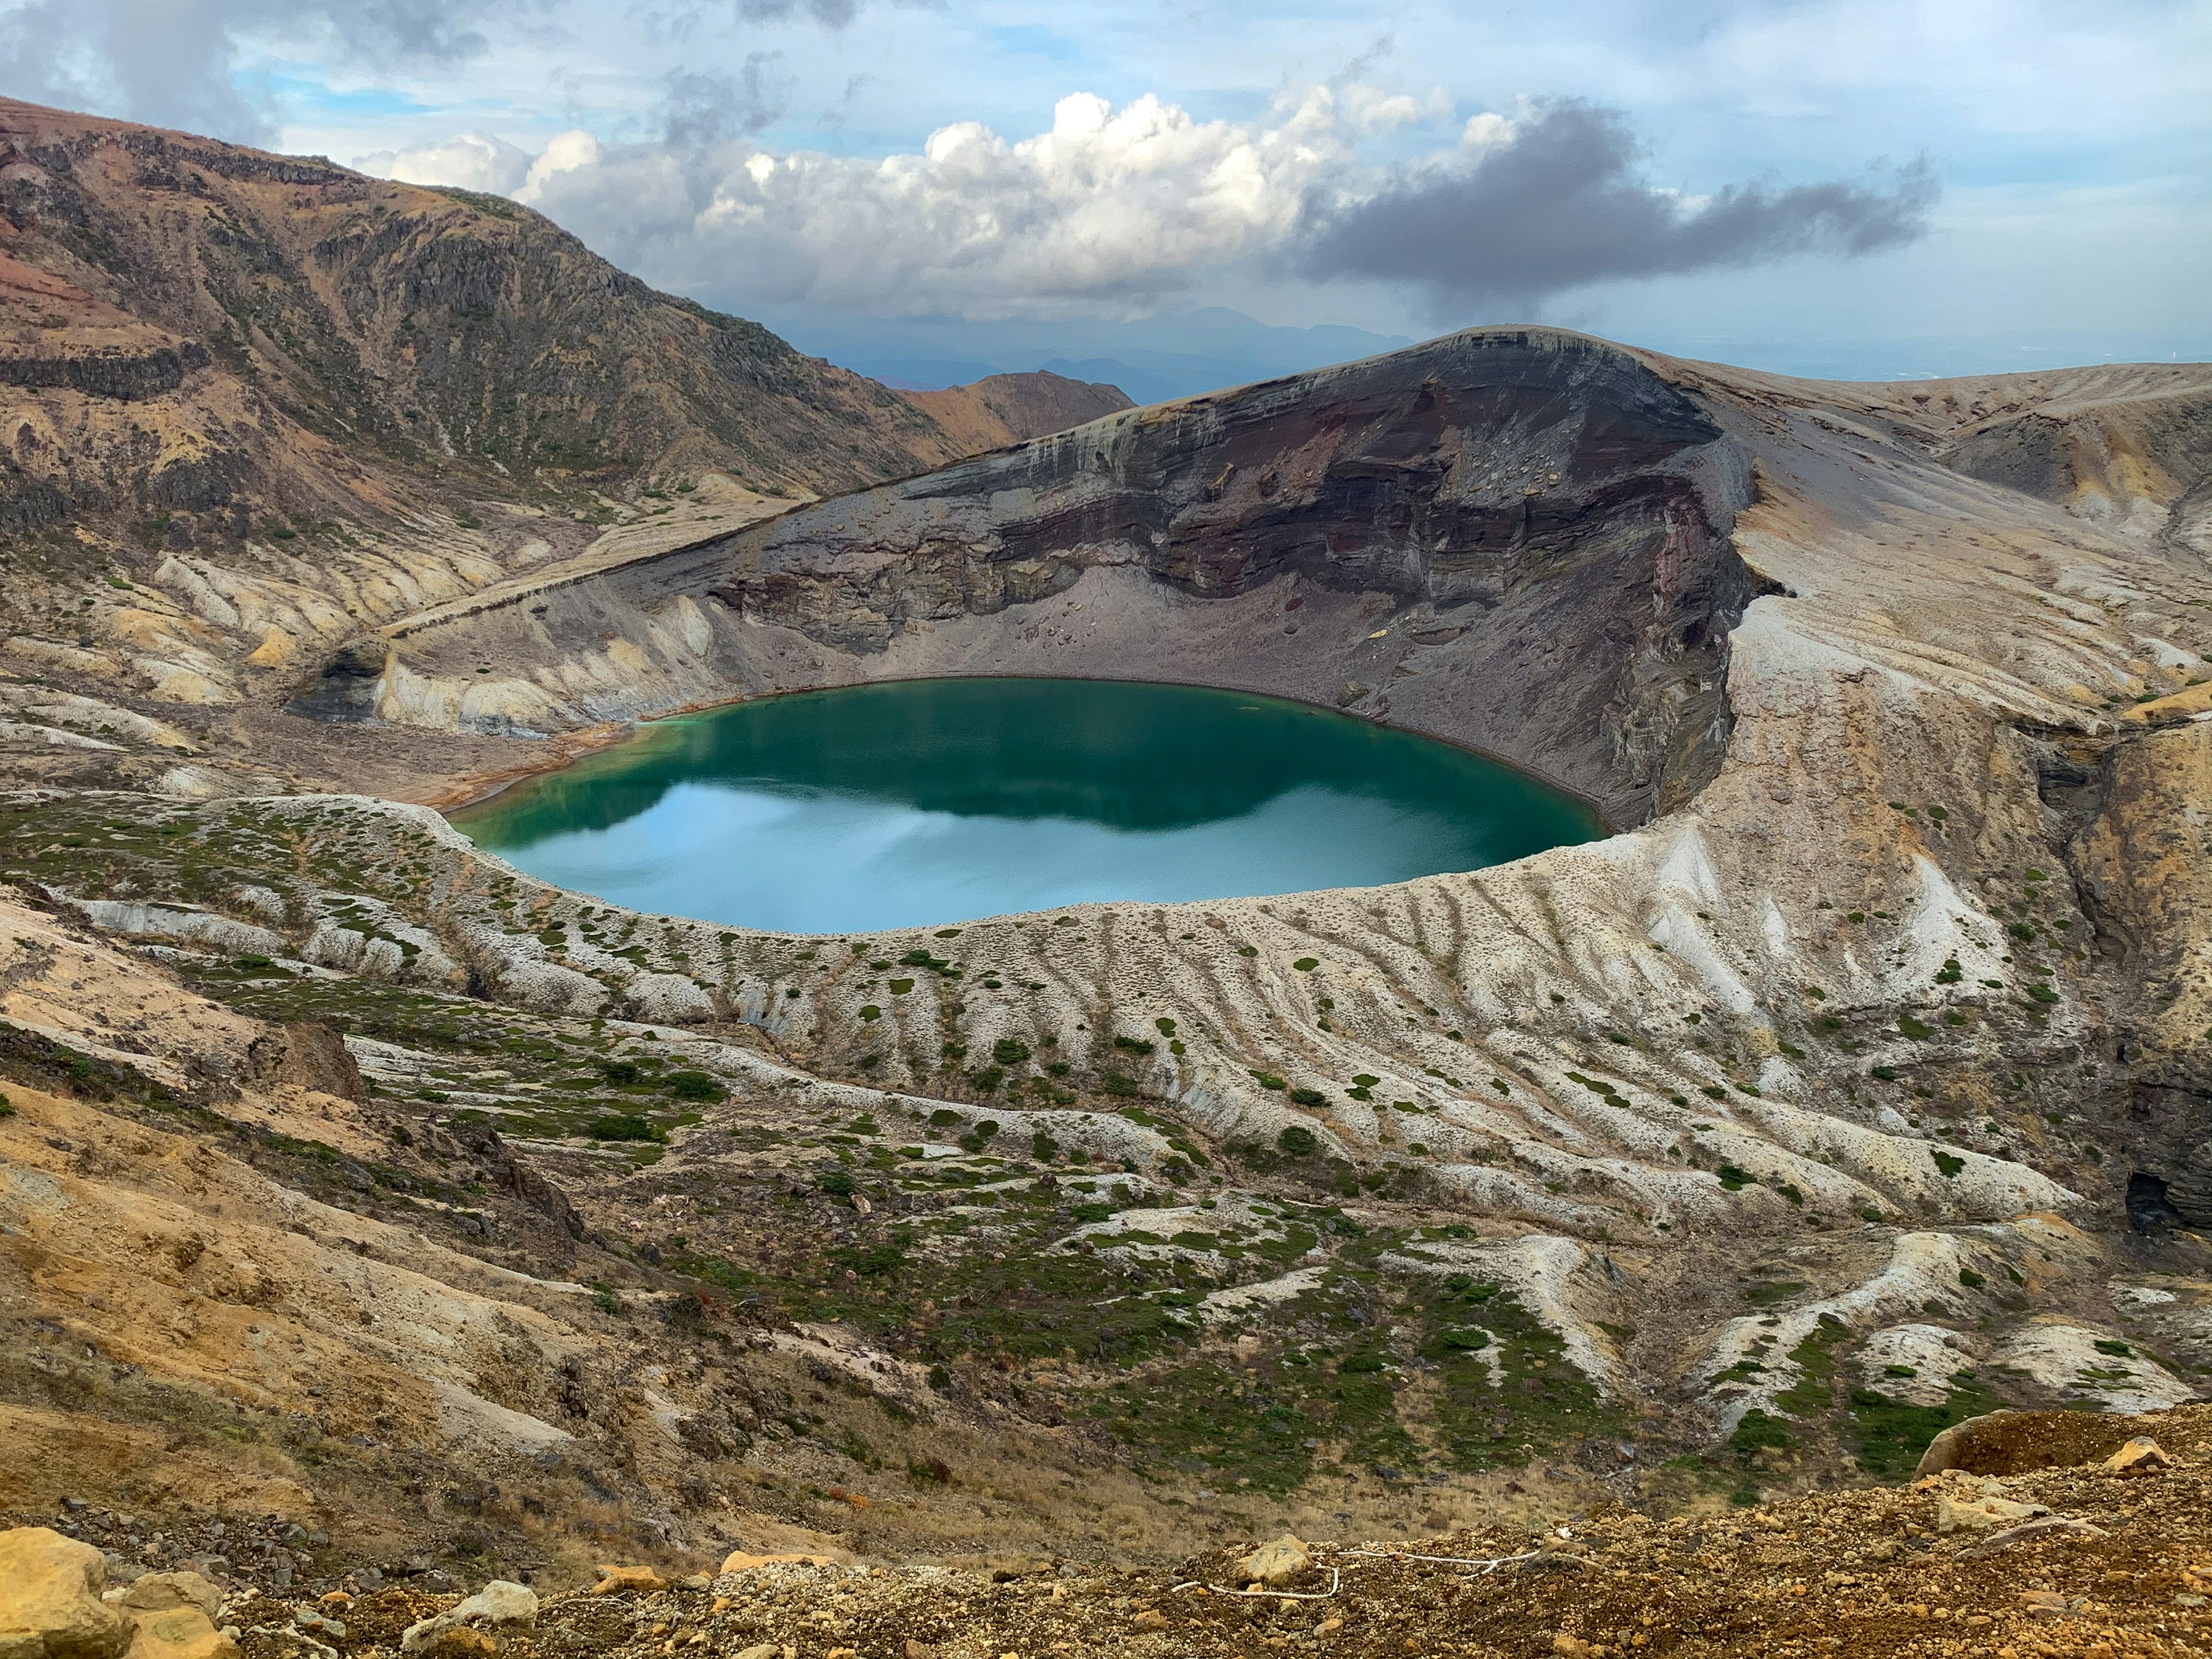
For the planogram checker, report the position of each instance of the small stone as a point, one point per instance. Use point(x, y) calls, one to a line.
point(2141, 1455)
point(462, 1642)
point(769, 1651)
point(612, 1579)
point(50, 1605)
point(1982, 1514)
point(1277, 1562)
point(180, 1632)
point(1149, 1619)
point(2048, 1526)
point(1572, 1647)
point(914, 1650)
point(699, 1581)
point(501, 1602)
point(739, 1561)
point(2045, 1604)
point(157, 1592)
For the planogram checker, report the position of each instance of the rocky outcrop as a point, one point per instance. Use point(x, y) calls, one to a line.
point(308, 1054)
point(111, 373)
point(1543, 516)
point(1009, 408)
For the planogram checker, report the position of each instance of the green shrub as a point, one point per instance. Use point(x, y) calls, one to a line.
point(1758, 1431)
point(869, 1012)
point(1113, 1082)
point(1269, 1080)
point(2039, 992)
point(837, 1182)
point(1306, 965)
point(692, 1085)
point(1309, 1096)
point(1945, 1162)
point(1298, 1141)
point(1010, 1051)
point(618, 1071)
point(1135, 1045)
point(1167, 1027)
point(624, 1128)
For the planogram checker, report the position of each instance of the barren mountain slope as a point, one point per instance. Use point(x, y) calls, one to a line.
point(250, 405)
point(1859, 1085)
point(1005, 408)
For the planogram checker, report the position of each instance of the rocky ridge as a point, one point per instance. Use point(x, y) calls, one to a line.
point(253, 405)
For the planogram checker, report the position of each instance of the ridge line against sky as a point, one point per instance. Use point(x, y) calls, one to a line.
point(1889, 187)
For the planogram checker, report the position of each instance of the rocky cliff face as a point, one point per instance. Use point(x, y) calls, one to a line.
point(420, 331)
point(253, 405)
point(1541, 521)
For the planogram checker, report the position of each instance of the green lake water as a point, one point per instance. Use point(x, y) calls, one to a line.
point(926, 801)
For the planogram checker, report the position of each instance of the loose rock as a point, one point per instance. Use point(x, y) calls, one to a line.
point(1982, 1514)
point(50, 1605)
point(612, 1579)
point(2141, 1455)
point(1277, 1562)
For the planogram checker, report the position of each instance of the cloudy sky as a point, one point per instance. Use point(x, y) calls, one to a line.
point(1869, 187)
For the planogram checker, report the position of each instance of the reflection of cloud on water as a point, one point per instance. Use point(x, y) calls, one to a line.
point(836, 863)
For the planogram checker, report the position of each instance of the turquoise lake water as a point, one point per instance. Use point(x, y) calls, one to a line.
point(925, 801)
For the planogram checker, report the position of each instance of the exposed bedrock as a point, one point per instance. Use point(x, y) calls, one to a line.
point(1540, 519)
point(1517, 539)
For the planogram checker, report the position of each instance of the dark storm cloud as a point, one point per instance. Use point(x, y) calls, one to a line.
point(1562, 202)
point(706, 108)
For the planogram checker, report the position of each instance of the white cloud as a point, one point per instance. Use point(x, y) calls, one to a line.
point(1111, 210)
point(472, 160)
point(1108, 206)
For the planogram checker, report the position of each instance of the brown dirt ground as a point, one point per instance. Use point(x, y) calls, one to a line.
point(1861, 1573)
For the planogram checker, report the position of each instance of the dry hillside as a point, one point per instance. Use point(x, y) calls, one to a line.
point(1007, 409)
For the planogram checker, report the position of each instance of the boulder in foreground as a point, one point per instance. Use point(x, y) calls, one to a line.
point(50, 1605)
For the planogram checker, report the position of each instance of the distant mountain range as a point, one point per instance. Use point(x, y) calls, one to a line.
point(1176, 356)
